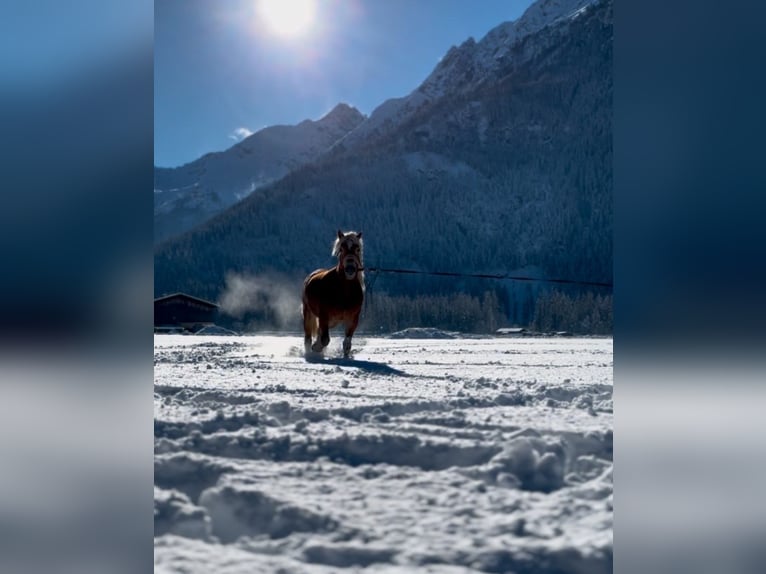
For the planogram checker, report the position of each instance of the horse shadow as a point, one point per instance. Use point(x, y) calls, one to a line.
point(369, 366)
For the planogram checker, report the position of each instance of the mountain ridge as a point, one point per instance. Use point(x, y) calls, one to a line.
point(461, 64)
point(188, 195)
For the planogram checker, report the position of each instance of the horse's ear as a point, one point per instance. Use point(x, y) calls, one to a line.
point(359, 235)
point(340, 234)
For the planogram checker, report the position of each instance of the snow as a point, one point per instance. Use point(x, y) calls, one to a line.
point(430, 454)
point(214, 330)
point(424, 333)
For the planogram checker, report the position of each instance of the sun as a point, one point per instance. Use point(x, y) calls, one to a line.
point(288, 18)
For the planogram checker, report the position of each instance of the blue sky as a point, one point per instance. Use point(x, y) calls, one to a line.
point(222, 69)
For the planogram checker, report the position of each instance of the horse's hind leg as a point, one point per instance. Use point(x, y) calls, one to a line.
point(350, 328)
point(309, 327)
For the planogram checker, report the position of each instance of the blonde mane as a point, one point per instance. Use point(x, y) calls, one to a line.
point(345, 245)
point(350, 235)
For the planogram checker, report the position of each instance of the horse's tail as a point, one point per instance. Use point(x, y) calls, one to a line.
point(310, 322)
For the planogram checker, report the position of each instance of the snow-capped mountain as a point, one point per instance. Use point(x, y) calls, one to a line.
point(505, 164)
point(468, 66)
point(188, 195)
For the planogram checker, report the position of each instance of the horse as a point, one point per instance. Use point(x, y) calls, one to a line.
point(334, 296)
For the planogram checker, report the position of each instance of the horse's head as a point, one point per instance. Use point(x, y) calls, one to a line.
point(348, 249)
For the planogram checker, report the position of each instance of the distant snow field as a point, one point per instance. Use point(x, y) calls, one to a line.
point(446, 455)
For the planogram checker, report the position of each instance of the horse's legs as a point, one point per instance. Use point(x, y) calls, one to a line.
point(324, 335)
point(309, 327)
point(350, 328)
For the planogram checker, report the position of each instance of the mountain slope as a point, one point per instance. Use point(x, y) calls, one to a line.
point(508, 169)
point(464, 68)
point(186, 196)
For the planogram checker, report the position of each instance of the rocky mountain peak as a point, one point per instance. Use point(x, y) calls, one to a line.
point(342, 116)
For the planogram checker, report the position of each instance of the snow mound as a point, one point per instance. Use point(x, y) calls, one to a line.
point(424, 333)
point(174, 513)
point(246, 511)
point(347, 555)
point(534, 463)
point(216, 330)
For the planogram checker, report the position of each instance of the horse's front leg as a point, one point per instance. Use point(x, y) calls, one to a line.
point(350, 328)
point(324, 335)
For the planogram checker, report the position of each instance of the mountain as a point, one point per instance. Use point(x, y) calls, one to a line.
point(188, 195)
point(467, 67)
point(500, 161)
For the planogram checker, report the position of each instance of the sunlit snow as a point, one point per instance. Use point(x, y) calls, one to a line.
point(429, 454)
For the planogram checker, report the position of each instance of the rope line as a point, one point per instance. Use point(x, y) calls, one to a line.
point(486, 276)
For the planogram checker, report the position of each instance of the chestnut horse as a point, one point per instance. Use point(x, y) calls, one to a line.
point(334, 296)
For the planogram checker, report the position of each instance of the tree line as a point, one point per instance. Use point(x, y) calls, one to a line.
point(580, 314)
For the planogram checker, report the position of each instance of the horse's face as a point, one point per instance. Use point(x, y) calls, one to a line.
point(348, 249)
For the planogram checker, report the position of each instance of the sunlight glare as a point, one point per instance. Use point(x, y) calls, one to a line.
point(288, 18)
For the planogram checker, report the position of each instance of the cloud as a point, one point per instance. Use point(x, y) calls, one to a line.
point(240, 133)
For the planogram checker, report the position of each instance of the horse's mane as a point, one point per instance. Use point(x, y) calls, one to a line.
point(336, 252)
point(336, 245)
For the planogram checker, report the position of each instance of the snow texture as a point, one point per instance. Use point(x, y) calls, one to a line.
point(426, 452)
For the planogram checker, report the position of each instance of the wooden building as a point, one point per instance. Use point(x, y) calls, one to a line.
point(182, 312)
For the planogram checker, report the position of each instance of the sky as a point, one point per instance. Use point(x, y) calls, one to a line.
point(226, 68)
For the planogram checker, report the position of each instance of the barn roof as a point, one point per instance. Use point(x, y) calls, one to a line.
point(185, 296)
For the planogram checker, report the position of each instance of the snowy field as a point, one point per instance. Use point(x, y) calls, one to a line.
point(417, 455)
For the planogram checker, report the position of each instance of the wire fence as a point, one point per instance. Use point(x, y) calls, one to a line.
point(507, 276)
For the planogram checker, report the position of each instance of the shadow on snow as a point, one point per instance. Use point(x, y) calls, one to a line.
point(370, 366)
